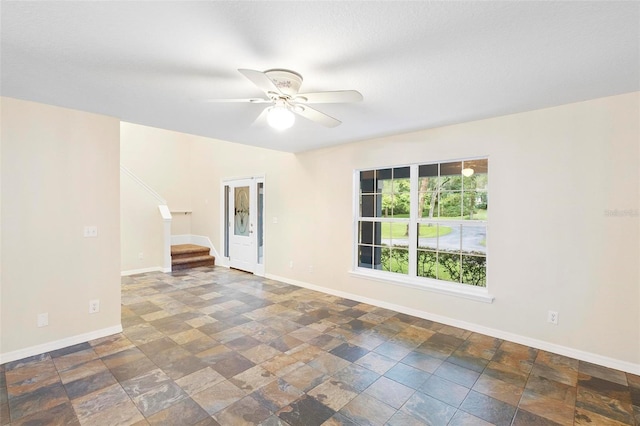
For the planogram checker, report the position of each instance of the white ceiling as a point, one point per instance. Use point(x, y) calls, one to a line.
point(418, 64)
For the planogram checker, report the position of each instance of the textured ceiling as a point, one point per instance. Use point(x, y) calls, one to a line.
point(418, 64)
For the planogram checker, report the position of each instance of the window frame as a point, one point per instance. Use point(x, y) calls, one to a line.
point(411, 279)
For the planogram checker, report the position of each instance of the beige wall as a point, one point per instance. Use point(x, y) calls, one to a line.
point(553, 173)
point(213, 161)
point(59, 173)
point(141, 227)
point(188, 171)
point(180, 223)
point(160, 158)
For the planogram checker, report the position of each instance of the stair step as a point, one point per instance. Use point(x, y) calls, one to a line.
point(192, 262)
point(180, 251)
point(185, 256)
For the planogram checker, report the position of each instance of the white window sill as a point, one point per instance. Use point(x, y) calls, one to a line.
point(479, 294)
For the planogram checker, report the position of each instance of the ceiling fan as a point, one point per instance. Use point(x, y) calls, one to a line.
point(281, 87)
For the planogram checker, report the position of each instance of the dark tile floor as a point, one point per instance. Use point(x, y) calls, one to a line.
point(217, 346)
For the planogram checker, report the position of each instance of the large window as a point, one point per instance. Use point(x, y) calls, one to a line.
point(426, 222)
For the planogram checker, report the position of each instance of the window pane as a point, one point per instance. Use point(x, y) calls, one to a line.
point(428, 184)
point(369, 257)
point(448, 267)
point(260, 223)
point(451, 169)
point(474, 270)
point(483, 205)
point(400, 234)
point(377, 253)
point(377, 232)
point(475, 197)
point(383, 179)
point(402, 192)
point(399, 261)
point(386, 233)
point(449, 237)
point(451, 183)
point(450, 204)
point(428, 170)
point(427, 206)
point(482, 182)
point(395, 233)
point(478, 166)
point(427, 261)
point(368, 206)
point(241, 212)
point(387, 205)
point(401, 172)
point(474, 239)
point(385, 258)
point(385, 186)
point(428, 235)
point(469, 205)
point(365, 233)
point(367, 179)
point(365, 256)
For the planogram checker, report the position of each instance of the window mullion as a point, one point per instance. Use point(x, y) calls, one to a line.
point(413, 221)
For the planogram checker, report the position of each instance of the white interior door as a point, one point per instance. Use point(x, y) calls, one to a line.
point(242, 225)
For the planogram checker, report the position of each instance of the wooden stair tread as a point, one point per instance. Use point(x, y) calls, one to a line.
point(191, 259)
point(181, 249)
point(185, 256)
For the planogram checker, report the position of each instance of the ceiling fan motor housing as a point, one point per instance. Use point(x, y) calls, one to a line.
point(287, 81)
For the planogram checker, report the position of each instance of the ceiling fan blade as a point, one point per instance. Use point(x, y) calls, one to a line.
point(315, 115)
point(337, 96)
point(248, 100)
point(261, 119)
point(261, 80)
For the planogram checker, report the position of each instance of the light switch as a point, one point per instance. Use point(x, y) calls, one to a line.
point(90, 231)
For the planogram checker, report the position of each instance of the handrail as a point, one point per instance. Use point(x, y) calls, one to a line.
point(143, 185)
point(164, 212)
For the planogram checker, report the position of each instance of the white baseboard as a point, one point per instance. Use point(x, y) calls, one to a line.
point(605, 361)
point(58, 344)
point(143, 270)
point(201, 240)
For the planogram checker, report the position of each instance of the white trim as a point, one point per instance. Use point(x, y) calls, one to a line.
point(143, 270)
point(140, 182)
point(629, 367)
point(259, 269)
point(165, 213)
point(59, 344)
point(479, 294)
point(166, 237)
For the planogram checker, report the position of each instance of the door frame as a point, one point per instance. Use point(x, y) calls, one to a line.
point(226, 221)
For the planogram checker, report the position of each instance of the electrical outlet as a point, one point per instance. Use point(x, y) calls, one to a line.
point(291, 264)
point(94, 306)
point(552, 317)
point(90, 231)
point(141, 255)
point(311, 269)
point(43, 319)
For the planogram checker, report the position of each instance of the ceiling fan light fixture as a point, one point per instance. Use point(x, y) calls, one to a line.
point(280, 118)
point(467, 172)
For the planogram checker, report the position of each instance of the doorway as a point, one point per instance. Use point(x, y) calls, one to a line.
point(244, 224)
